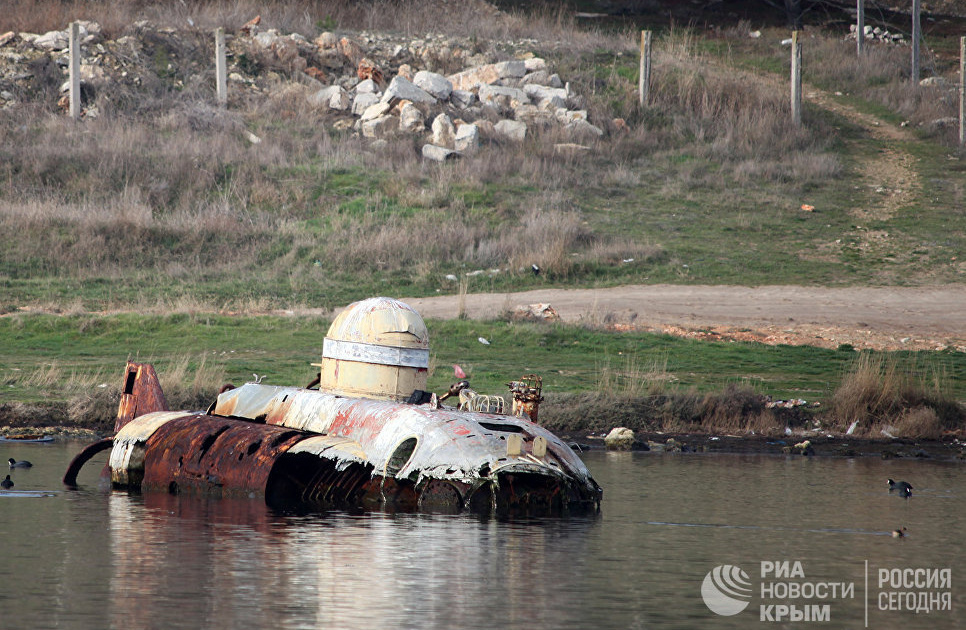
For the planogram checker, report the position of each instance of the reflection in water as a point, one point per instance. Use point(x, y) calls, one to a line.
point(237, 562)
point(94, 559)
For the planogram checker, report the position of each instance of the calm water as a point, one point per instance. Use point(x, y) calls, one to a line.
point(97, 559)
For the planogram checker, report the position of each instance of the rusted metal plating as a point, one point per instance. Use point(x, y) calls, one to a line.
point(527, 395)
point(299, 448)
point(420, 444)
point(141, 394)
point(179, 452)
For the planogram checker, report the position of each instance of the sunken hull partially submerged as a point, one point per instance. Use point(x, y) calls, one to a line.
point(303, 449)
point(429, 455)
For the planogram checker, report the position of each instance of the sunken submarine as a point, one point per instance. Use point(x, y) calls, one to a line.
point(369, 436)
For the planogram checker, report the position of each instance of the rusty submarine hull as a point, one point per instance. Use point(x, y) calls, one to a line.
point(370, 436)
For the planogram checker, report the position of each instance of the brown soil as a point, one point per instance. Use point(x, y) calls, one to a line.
point(909, 318)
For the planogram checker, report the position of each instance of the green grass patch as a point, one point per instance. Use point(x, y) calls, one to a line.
point(570, 359)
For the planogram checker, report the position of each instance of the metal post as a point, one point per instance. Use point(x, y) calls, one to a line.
point(221, 67)
point(859, 26)
point(914, 75)
point(962, 91)
point(644, 81)
point(75, 92)
point(796, 78)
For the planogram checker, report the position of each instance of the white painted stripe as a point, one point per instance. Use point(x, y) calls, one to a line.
point(372, 353)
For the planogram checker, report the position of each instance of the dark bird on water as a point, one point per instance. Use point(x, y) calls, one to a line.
point(6, 483)
point(21, 464)
point(899, 533)
point(901, 487)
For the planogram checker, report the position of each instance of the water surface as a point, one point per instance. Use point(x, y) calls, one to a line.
point(93, 558)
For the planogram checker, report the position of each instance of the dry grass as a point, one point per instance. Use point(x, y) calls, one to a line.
point(645, 404)
point(467, 18)
point(92, 397)
point(738, 410)
point(633, 378)
point(884, 397)
point(40, 16)
point(881, 76)
point(165, 184)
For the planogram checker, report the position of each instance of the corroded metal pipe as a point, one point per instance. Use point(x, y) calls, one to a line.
point(70, 477)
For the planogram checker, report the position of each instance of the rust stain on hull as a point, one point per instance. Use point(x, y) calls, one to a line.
point(298, 448)
point(141, 394)
point(213, 456)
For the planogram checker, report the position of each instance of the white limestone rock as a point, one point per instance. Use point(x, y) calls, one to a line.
point(541, 93)
point(52, 40)
point(467, 139)
point(382, 127)
point(567, 116)
point(619, 439)
point(474, 77)
point(377, 110)
point(434, 84)
point(327, 41)
point(403, 89)
point(462, 98)
point(265, 39)
point(364, 101)
point(367, 87)
point(331, 97)
point(511, 130)
point(444, 133)
point(535, 64)
point(496, 94)
point(411, 119)
point(581, 130)
point(541, 77)
point(439, 154)
point(511, 69)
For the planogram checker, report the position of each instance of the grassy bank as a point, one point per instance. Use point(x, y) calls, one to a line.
point(164, 203)
point(593, 379)
point(163, 199)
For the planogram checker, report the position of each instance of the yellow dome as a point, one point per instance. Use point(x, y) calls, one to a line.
point(381, 321)
point(376, 348)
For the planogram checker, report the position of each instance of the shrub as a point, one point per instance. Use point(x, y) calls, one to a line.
point(884, 397)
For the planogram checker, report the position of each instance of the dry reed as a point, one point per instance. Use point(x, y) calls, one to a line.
point(880, 396)
point(188, 382)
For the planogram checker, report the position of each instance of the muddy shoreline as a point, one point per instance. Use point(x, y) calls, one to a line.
point(951, 450)
point(825, 445)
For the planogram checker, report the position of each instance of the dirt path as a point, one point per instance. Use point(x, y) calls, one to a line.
point(881, 318)
point(890, 174)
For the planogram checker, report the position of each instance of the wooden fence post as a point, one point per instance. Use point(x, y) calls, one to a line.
point(859, 26)
point(916, 34)
point(74, 95)
point(796, 78)
point(644, 80)
point(220, 66)
point(962, 91)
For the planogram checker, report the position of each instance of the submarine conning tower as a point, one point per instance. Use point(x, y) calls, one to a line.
point(376, 348)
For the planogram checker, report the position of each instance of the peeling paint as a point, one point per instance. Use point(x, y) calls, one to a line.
point(299, 448)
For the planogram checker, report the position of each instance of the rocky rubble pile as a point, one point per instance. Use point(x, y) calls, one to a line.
point(444, 90)
point(876, 34)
